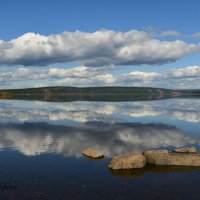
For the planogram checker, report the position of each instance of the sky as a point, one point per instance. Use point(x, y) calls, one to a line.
point(154, 43)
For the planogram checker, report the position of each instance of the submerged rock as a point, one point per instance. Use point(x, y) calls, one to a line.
point(185, 150)
point(157, 157)
point(93, 153)
point(128, 161)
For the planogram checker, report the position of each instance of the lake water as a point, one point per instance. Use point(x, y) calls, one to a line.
point(41, 145)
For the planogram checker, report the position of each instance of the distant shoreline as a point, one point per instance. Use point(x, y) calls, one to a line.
point(66, 94)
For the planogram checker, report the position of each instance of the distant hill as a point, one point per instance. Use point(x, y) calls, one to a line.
point(66, 94)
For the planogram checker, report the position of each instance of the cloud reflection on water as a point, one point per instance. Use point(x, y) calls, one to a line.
point(112, 138)
point(176, 109)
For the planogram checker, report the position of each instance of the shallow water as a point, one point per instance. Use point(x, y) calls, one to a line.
point(41, 145)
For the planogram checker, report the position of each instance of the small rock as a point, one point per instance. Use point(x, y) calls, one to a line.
point(157, 157)
point(186, 150)
point(93, 153)
point(128, 161)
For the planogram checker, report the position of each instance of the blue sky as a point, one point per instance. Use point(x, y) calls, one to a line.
point(164, 21)
point(51, 16)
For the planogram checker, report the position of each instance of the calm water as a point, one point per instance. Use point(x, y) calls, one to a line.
point(41, 145)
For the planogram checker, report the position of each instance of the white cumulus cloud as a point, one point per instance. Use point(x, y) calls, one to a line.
point(100, 48)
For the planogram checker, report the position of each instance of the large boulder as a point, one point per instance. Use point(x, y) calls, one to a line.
point(128, 161)
point(184, 159)
point(93, 153)
point(185, 150)
point(157, 157)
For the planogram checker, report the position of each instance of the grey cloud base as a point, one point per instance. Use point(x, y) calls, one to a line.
point(103, 47)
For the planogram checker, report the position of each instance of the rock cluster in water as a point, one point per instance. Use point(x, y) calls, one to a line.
point(177, 157)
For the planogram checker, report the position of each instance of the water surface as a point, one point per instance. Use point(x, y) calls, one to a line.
point(41, 145)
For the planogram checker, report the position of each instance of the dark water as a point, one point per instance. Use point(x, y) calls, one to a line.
point(41, 145)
